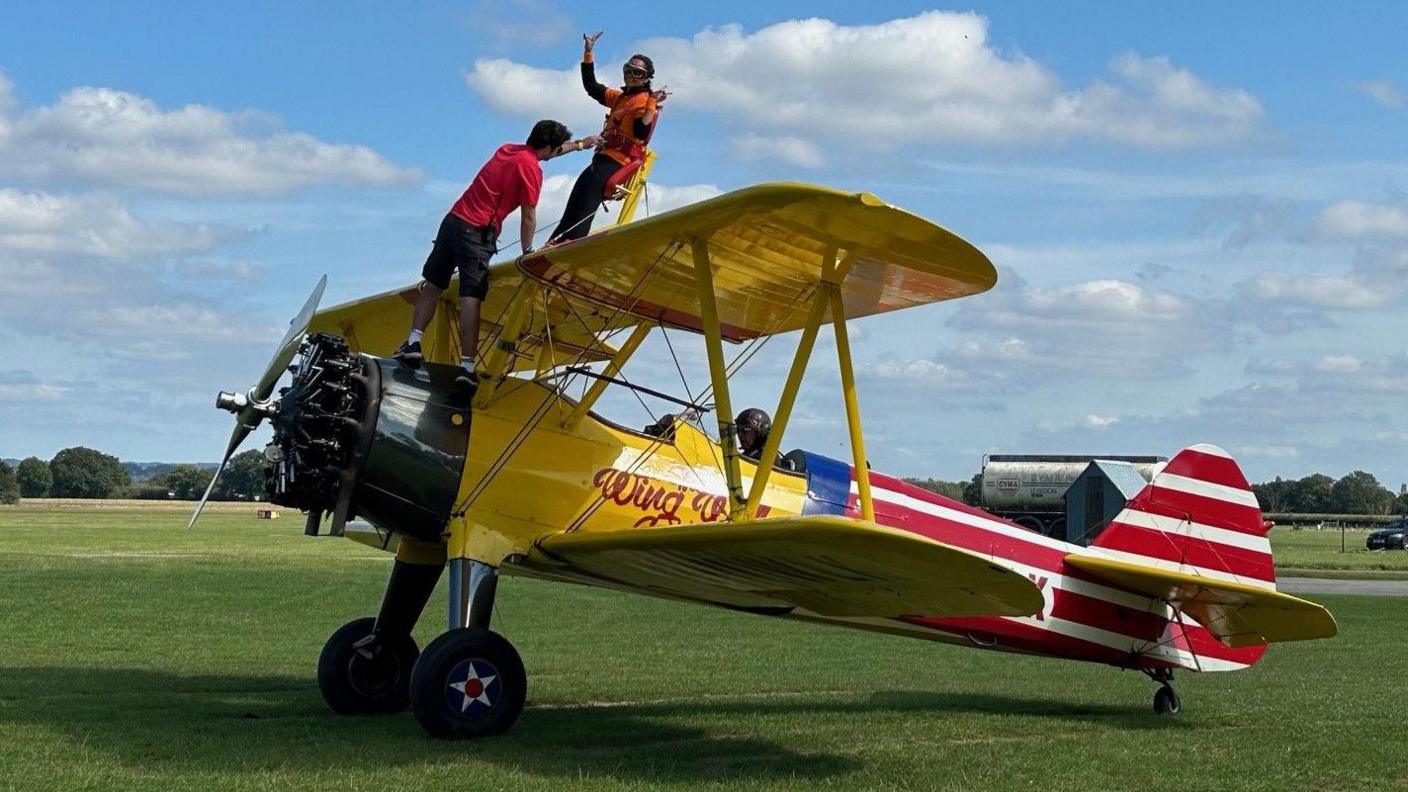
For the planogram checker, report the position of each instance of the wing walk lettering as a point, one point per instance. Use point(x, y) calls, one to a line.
point(661, 502)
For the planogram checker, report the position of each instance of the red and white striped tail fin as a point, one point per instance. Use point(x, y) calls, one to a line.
point(1198, 516)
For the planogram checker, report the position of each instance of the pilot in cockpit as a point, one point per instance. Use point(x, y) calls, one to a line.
point(753, 426)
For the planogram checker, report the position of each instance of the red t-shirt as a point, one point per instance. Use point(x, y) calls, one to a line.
point(510, 179)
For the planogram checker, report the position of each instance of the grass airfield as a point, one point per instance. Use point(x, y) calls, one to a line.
point(137, 655)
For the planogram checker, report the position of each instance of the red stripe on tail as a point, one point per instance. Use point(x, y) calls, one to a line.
point(1184, 542)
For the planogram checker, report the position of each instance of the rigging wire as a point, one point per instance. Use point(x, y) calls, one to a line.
point(539, 413)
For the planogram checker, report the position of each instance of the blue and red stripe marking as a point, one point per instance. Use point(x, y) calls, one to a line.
point(829, 493)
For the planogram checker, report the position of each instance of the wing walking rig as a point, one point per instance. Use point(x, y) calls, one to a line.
point(525, 479)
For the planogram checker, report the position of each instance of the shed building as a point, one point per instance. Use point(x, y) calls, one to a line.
point(1097, 495)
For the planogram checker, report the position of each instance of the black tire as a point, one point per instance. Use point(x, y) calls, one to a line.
point(366, 678)
point(1166, 701)
point(461, 662)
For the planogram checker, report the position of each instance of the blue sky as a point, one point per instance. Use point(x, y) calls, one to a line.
point(1198, 212)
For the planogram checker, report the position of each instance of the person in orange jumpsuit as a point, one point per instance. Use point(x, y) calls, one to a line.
point(632, 112)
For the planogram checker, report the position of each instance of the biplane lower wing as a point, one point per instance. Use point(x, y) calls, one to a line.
point(831, 566)
point(1239, 614)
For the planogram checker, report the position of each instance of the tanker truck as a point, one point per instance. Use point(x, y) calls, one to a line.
point(1030, 489)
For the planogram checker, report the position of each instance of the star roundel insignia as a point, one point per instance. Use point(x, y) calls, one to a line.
point(473, 687)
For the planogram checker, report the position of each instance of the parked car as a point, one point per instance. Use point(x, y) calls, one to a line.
point(1391, 536)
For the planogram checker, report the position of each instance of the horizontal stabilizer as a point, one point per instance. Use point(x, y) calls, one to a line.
point(832, 566)
point(1239, 614)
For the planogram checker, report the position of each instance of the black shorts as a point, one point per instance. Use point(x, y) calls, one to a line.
point(461, 246)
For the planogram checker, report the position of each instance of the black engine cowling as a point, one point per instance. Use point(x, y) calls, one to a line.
point(356, 435)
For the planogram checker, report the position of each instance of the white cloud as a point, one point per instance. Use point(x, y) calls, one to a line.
point(1100, 421)
point(663, 197)
point(1162, 107)
point(94, 225)
point(529, 92)
point(1345, 363)
point(932, 77)
point(922, 371)
point(1094, 329)
point(553, 199)
point(1356, 220)
point(790, 150)
point(108, 137)
point(1320, 291)
point(1383, 92)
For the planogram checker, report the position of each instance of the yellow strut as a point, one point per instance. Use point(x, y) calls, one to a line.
point(718, 375)
point(499, 361)
point(633, 189)
point(612, 368)
point(787, 400)
point(848, 390)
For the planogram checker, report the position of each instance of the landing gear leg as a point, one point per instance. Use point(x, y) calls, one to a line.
point(365, 667)
point(1166, 701)
point(470, 681)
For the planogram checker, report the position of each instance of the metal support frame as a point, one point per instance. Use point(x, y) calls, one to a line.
point(407, 591)
point(718, 375)
point(445, 331)
point(633, 189)
point(848, 391)
point(472, 587)
point(785, 403)
point(613, 367)
point(546, 348)
point(499, 360)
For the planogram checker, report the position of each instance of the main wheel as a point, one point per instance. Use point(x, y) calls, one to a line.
point(1166, 701)
point(468, 682)
point(361, 673)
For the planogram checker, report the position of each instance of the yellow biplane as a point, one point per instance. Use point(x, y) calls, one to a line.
point(522, 478)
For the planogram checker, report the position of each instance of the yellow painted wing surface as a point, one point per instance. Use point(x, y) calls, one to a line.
point(832, 566)
point(767, 245)
point(378, 324)
point(1238, 614)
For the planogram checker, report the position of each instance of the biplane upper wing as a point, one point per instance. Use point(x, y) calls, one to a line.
point(769, 248)
point(1239, 614)
point(832, 566)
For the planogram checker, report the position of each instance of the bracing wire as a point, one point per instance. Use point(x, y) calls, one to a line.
point(512, 447)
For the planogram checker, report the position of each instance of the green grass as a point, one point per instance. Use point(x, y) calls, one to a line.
point(136, 655)
point(1308, 550)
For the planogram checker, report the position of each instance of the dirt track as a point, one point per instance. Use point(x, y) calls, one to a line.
point(1372, 588)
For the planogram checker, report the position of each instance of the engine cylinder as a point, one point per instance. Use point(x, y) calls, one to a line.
point(361, 436)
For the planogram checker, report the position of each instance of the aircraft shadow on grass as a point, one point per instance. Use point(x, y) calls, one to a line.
point(152, 718)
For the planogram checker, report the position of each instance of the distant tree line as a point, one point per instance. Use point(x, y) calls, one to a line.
point(1355, 493)
point(969, 492)
point(86, 473)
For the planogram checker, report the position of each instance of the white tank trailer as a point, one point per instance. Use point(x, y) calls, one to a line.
point(1030, 489)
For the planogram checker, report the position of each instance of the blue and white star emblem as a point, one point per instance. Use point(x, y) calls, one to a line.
point(473, 687)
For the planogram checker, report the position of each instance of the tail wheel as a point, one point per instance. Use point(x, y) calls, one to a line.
point(1166, 701)
point(469, 682)
point(362, 673)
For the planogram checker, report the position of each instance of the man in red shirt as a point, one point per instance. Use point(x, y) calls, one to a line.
point(510, 180)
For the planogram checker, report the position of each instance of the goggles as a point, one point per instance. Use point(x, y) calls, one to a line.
point(634, 71)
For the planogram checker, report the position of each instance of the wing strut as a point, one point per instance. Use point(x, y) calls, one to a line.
point(848, 390)
point(499, 359)
point(612, 369)
point(723, 409)
point(768, 458)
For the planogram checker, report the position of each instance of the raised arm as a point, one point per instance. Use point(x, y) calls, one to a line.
point(593, 88)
